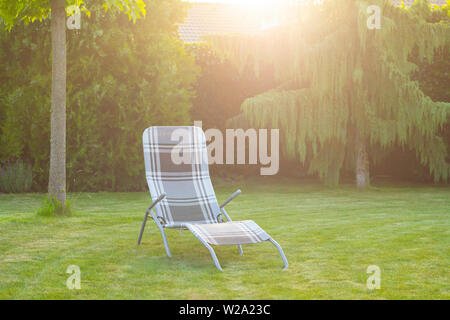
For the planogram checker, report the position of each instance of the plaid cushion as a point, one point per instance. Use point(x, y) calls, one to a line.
point(190, 196)
point(229, 233)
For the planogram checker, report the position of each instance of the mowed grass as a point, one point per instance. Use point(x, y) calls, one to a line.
point(330, 237)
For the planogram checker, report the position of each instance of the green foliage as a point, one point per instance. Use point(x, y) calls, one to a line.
point(220, 89)
point(16, 177)
point(26, 11)
point(433, 79)
point(122, 77)
point(54, 208)
point(25, 74)
point(337, 79)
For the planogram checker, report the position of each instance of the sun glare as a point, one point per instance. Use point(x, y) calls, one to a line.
point(254, 4)
point(269, 13)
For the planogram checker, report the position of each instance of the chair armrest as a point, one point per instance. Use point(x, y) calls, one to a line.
point(234, 195)
point(156, 202)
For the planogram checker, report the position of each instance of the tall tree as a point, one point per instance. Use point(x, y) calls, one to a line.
point(13, 12)
point(344, 91)
point(57, 179)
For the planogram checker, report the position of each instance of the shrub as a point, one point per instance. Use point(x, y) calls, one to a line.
point(16, 177)
point(122, 77)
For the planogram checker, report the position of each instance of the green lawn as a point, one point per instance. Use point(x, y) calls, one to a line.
point(330, 237)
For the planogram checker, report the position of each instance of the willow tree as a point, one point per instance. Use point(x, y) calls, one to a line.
point(344, 90)
point(26, 11)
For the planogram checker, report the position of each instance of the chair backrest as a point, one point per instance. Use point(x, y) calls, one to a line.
point(176, 164)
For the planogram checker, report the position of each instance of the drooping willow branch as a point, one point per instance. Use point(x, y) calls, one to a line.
point(336, 77)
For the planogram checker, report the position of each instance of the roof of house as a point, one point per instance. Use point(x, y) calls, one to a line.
point(216, 18)
point(207, 18)
point(410, 2)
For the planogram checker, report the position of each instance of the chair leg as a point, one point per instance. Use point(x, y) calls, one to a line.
point(142, 228)
point(281, 253)
point(166, 244)
point(211, 251)
point(213, 255)
point(160, 227)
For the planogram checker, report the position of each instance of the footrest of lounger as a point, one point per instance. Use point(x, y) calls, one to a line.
point(229, 233)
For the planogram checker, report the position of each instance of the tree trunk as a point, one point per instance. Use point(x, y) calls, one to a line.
point(362, 164)
point(57, 178)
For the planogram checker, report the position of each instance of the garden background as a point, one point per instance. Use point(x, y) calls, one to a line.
point(124, 77)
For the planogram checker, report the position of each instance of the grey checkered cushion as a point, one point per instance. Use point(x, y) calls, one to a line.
point(228, 233)
point(190, 196)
